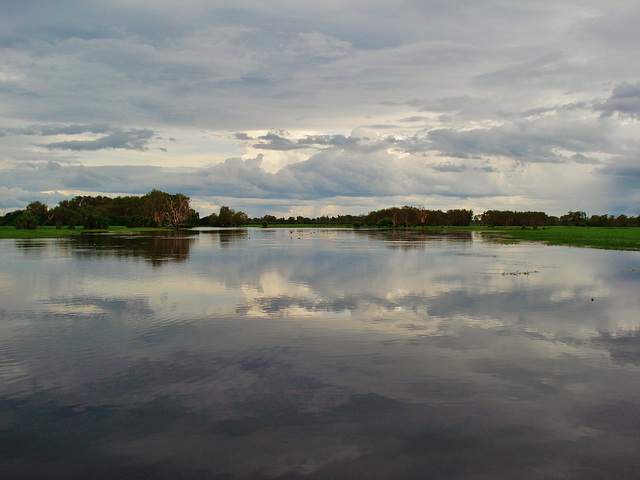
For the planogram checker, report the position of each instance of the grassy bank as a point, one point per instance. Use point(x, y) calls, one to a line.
point(611, 238)
point(53, 232)
point(40, 232)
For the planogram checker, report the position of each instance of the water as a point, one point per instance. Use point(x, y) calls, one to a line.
point(317, 354)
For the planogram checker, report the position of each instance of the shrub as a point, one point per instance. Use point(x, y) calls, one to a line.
point(134, 221)
point(26, 221)
point(96, 222)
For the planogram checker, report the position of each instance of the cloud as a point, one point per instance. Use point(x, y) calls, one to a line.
point(317, 45)
point(328, 140)
point(580, 158)
point(118, 138)
point(278, 141)
point(441, 105)
point(447, 167)
point(130, 139)
point(55, 129)
point(13, 198)
point(628, 168)
point(537, 140)
point(441, 96)
point(414, 118)
point(536, 71)
point(324, 175)
point(624, 100)
point(273, 141)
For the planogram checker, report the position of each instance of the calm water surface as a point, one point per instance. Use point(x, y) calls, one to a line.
point(317, 354)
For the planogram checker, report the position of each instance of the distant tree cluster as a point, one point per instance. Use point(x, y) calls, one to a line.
point(605, 220)
point(417, 217)
point(155, 209)
point(407, 216)
point(508, 218)
point(389, 217)
point(339, 220)
point(226, 217)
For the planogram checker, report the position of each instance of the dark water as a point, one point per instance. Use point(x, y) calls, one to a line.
point(317, 354)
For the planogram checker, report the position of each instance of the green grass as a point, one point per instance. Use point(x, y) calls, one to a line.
point(40, 232)
point(53, 232)
point(611, 238)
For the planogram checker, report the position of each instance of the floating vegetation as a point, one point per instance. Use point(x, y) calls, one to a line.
point(519, 273)
point(513, 274)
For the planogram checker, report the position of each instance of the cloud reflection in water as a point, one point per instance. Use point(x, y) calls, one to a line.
point(321, 354)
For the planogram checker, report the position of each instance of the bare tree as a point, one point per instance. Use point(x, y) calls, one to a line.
point(177, 209)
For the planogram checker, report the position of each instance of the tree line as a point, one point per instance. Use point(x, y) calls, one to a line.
point(161, 209)
point(508, 218)
point(154, 209)
point(408, 216)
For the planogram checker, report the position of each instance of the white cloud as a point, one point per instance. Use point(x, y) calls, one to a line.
point(456, 96)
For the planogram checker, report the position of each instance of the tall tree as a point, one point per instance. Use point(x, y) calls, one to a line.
point(40, 211)
point(155, 206)
point(225, 216)
point(239, 219)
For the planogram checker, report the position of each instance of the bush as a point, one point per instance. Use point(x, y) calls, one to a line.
point(96, 222)
point(135, 221)
point(385, 222)
point(27, 221)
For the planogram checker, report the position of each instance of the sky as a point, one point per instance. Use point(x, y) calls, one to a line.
point(323, 108)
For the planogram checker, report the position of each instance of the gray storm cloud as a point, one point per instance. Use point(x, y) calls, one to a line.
point(624, 100)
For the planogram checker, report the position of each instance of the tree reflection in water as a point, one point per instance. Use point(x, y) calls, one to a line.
point(227, 236)
point(157, 248)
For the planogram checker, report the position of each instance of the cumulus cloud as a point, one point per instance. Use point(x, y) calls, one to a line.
point(324, 175)
point(624, 100)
